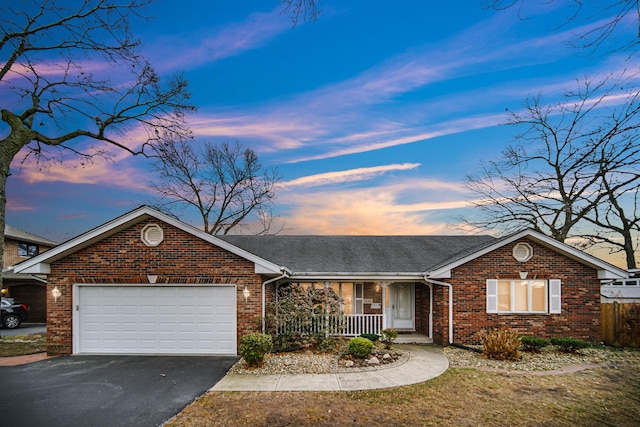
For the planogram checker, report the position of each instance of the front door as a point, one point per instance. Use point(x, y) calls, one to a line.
point(402, 305)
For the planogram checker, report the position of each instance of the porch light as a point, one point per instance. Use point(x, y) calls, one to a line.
point(245, 292)
point(4, 291)
point(56, 294)
point(523, 275)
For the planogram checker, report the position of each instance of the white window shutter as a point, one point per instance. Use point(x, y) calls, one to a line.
point(555, 306)
point(492, 296)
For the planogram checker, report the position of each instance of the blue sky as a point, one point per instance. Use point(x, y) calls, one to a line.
point(373, 114)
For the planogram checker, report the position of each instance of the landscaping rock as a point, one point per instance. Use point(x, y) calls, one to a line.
point(547, 360)
point(373, 361)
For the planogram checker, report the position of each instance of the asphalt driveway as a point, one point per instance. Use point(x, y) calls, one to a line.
point(105, 390)
point(24, 329)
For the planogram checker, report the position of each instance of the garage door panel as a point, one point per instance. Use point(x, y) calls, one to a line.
point(156, 320)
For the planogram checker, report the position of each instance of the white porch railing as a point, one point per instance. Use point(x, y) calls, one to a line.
point(348, 325)
point(357, 324)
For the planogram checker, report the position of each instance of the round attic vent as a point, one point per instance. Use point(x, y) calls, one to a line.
point(522, 252)
point(152, 235)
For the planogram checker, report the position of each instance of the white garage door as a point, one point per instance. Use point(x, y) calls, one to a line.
point(155, 320)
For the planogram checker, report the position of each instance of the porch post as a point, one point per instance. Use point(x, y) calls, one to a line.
point(384, 286)
point(326, 309)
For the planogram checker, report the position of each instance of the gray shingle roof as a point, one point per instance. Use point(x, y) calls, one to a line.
point(25, 236)
point(357, 254)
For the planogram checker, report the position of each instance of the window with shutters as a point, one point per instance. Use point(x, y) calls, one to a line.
point(523, 296)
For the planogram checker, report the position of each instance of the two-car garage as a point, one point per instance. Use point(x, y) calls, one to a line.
point(146, 283)
point(154, 319)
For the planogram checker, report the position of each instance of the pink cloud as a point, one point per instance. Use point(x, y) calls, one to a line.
point(256, 31)
point(351, 175)
point(378, 210)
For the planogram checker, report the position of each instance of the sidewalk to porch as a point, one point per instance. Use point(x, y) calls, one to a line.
point(425, 362)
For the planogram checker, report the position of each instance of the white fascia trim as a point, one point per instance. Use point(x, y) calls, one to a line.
point(441, 274)
point(391, 277)
point(607, 275)
point(126, 221)
point(40, 268)
point(611, 271)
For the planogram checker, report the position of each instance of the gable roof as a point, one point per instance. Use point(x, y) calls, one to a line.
point(24, 236)
point(605, 269)
point(40, 263)
point(352, 255)
point(326, 256)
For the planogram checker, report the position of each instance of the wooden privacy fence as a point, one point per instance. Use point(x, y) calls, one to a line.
point(621, 324)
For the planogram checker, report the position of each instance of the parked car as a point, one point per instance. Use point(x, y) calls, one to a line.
point(13, 313)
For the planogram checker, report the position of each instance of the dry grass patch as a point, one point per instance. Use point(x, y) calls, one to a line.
point(21, 345)
point(460, 397)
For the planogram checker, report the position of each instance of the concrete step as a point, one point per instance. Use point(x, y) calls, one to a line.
point(413, 339)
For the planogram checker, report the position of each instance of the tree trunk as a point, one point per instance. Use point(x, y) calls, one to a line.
point(18, 137)
point(628, 250)
point(4, 174)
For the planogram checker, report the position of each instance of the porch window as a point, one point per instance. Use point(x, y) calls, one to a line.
point(350, 294)
point(523, 296)
point(345, 292)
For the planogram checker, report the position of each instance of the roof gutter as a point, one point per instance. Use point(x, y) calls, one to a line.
point(341, 276)
point(448, 285)
point(285, 273)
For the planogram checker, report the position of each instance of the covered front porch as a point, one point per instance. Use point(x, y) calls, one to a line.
point(369, 307)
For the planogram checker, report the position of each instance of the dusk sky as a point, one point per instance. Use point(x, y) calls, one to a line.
point(373, 114)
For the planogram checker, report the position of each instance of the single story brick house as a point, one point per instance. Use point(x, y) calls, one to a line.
point(146, 283)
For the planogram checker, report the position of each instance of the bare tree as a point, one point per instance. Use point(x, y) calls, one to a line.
point(617, 217)
point(573, 160)
point(73, 83)
point(603, 19)
point(307, 9)
point(225, 184)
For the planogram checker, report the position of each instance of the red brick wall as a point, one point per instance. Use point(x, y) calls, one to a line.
point(440, 314)
point(376, 296)
point(580, 317)
point(422, 308)
point(123, 259)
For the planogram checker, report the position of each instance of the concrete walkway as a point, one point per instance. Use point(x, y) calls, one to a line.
point(425, 362)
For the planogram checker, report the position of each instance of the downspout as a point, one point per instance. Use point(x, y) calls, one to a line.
point(285, 273)
point(448, 285)
point(430, 310)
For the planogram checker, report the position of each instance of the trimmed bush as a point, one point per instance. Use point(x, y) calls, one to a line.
point(327, 344)
point(371, 337)
point(534, 344)
point(569, 345)
point(388, 335)
point(500, 344)
point(360, 347)
point(253, 348)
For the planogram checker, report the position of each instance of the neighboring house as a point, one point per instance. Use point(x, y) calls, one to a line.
point(146, 283)
point(623, 291)
point(28, 289)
